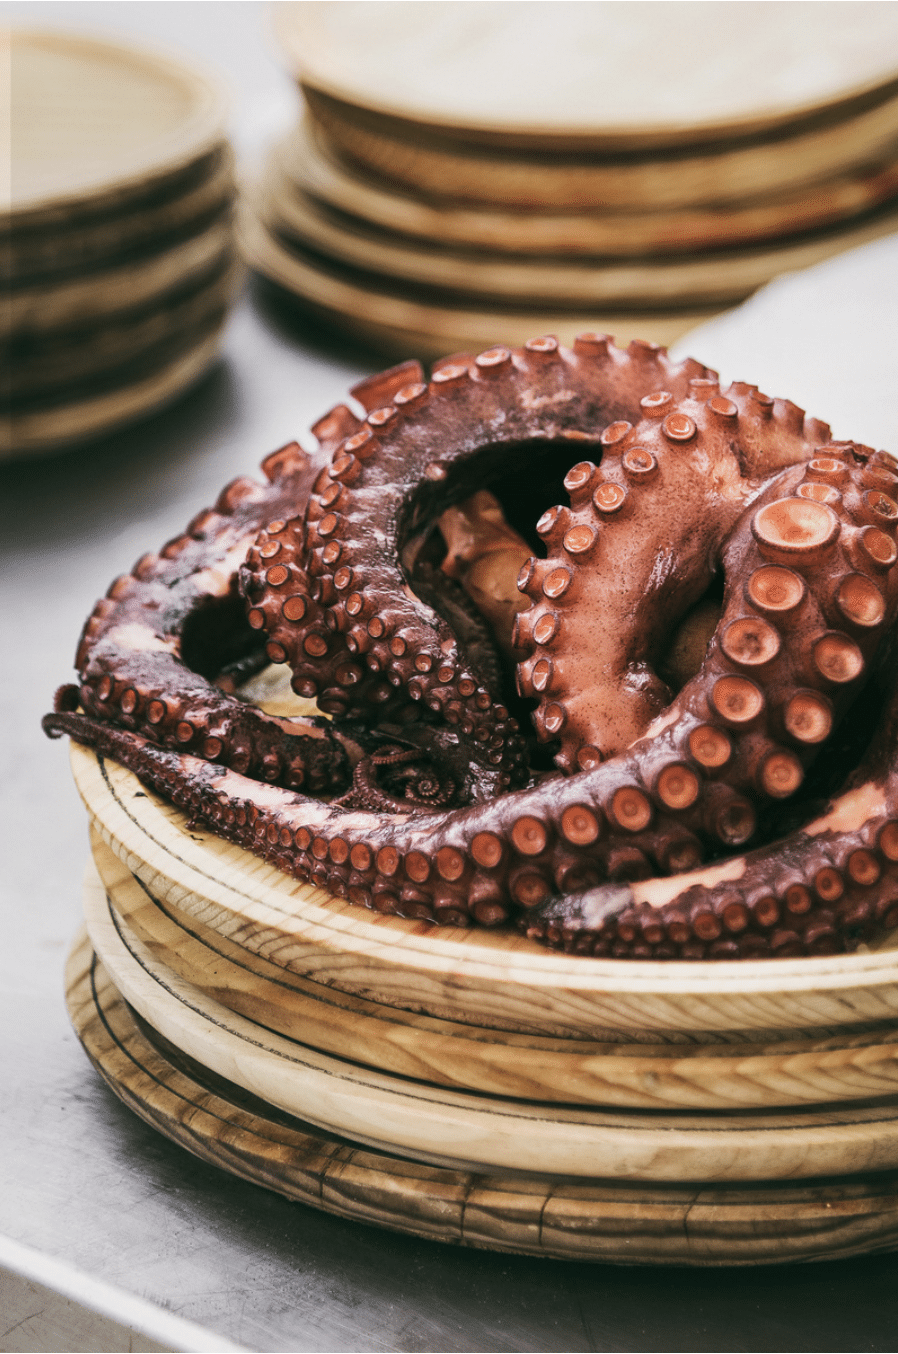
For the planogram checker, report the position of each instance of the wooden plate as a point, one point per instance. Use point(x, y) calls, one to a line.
point(696, 277)
point(408, 158)
point(91, 297)
point(458, 1129)
point(302, 164)
point(788, 1071)
point(398, 323)
point(198, 197)
point(490, 979)
point(70, 364)
point(47, 430)
point(95, 121)
point(595, 1220)
point(607, 73)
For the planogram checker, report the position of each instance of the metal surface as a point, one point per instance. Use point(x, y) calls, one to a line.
point(47, 1304)
point(82, 1179)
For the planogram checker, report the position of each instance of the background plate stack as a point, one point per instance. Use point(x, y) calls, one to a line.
point(120, 264)
point(470, 173)
point(469, 1086)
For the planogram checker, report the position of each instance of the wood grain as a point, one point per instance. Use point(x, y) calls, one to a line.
point(605, 75)
point(47, 430)
point(401, 324)
point(492, 979)
point(695, 277)
point(457, 1129)
point(302, 164)
point(71, 242)
point(60, 367)
point(595, 1220)
point(87, 299)
point(94, 120)
point(841, 1067)
point(729, 173)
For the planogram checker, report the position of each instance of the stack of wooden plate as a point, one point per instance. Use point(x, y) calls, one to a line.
point(469, 1086)
point(470, 173)
point(120, 263)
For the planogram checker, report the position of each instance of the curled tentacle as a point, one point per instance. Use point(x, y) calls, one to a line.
point(332, 594)
point(826, 888)
point(657, 803)
point(421, 786)
point(151, 649)
point(605, 599)
point(692, 511)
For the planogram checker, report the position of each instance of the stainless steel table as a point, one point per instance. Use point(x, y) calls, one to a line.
point(84, 1180)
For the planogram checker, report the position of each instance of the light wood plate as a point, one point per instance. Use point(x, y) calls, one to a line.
point(457, 1129)
point(607, 73)
point(489, 979)
point(95, 121)
point(825, 1068)
point(595, 1220)
point(302, 164)
point(400, 324)
point(406, 157)
point(695, 278)
point(186, 206)
point(88, 299)
point(48, 430)
point(66, 366)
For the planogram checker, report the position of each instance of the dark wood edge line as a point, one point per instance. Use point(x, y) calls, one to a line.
point(840, 1116)
point(325, 999)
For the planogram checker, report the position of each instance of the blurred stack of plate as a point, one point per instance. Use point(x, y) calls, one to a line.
point(120, 262)
point(472, 172)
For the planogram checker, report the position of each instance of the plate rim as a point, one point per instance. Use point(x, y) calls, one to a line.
point(203, 128)
point(396, 940)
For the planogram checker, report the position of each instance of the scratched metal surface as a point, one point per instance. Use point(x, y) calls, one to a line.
point(81, 1178)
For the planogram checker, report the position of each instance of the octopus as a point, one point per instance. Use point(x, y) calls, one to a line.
point(596, 648)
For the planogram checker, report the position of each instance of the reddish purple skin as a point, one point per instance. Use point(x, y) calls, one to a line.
point(728, 482)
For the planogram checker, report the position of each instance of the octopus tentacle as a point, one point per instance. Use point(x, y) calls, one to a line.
point(835, 882)
point(331, 593)
point(685, 473)
point(423, 786)
point(634, 813)
point(826, 888)
point(689, 488)
point(180, 611)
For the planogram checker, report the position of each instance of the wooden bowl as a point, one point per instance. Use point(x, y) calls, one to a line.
point(458, 1129)
point(156, 219)
point(120, 266)
point(696, 277)
point(70, 364)
point(579, 1107)
point(390, 317)
point(423, 162)
point(88, 299)
point(43, 428)
point(684, 1070)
